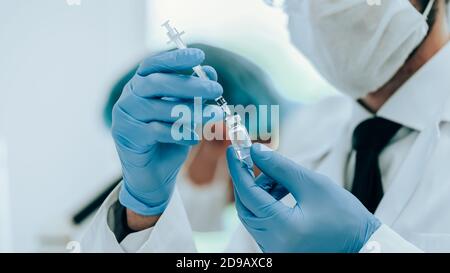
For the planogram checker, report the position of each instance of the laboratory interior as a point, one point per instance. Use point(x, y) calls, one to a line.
point(64, 64)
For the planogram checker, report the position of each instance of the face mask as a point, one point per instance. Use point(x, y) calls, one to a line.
point(357, 47)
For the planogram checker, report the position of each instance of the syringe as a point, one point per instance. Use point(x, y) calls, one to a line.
point(175, 37)
point(237, 132)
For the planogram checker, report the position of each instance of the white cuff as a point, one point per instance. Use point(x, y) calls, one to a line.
point(172, 232)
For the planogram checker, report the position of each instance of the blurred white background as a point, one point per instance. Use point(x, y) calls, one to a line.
point(57, 65)
point(250, 28)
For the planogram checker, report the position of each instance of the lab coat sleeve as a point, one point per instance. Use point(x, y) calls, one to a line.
point(385, 240)
point(172, 232)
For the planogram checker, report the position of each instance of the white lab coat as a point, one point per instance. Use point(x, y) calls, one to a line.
point(415, 166)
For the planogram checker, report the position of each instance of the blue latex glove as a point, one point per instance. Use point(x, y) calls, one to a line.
point(151, 158)
point(326, 218)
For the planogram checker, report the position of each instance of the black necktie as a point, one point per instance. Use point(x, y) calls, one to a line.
point(369, 139)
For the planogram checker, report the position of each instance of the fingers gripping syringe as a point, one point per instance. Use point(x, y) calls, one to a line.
point(237, 132)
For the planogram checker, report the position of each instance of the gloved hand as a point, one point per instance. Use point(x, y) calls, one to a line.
point(142, 121)
point(326, 218)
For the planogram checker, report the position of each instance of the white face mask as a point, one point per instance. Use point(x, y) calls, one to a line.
point(355, 46)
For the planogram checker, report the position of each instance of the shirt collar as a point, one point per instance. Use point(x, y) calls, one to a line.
point(359, 114)
point(423, 98)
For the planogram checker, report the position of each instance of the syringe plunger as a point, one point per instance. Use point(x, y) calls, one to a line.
point(238, 134)
point(174, 35)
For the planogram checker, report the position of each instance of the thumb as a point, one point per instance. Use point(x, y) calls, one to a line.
point(253, 197)
point(292, 176)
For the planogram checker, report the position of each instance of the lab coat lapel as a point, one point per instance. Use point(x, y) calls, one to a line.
point(334, 163)
point(419, 104)
point(409, 176)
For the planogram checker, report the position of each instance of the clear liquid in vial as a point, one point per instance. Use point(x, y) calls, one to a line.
point(240, 140)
